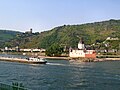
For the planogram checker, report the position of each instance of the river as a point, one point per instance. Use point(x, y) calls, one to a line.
point(63, 75)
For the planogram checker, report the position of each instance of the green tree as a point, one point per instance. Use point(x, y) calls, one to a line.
point(54, 50)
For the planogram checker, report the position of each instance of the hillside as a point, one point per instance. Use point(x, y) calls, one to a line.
point(7, 35)
point(69, 35)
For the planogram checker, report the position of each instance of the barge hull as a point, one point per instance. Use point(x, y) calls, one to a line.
point(21, 61)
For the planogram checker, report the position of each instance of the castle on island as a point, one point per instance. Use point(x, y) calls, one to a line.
point(81, 51)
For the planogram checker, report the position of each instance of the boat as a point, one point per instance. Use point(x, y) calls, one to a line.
point(31, 60)
point(37, 60)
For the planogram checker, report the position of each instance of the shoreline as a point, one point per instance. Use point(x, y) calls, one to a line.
point(85, 60)
point(97, 59)
point(59, 58)
point(77, 60)
point(81, 59)
point(113, 59)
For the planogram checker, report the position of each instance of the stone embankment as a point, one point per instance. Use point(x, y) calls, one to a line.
point(93, 59)
point(81, 59)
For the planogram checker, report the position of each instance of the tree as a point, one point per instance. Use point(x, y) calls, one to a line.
point(54, 50)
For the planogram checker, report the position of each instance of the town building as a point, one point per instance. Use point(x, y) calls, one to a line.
point(109, 38)
point(81, 51)
point(32, 50)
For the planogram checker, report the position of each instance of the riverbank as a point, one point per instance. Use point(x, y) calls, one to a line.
point(81, 59)
point(84, 60)
point(59, 58)
point(101, 59)
point(98, 59)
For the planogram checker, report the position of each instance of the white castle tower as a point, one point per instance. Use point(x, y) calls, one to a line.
point(81, 45)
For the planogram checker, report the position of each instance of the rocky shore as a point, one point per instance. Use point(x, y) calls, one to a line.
point(93, 60)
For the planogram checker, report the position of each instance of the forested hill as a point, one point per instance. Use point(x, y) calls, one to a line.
point(69, 35)
point(7, 35)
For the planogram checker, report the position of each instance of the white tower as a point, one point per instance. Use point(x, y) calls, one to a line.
point(81, 44)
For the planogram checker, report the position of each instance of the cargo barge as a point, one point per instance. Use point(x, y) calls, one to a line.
point(25, 60)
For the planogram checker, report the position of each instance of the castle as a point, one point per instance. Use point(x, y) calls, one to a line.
point(81, 51)
point(29, 32)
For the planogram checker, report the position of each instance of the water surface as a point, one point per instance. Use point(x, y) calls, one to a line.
point(63, 75)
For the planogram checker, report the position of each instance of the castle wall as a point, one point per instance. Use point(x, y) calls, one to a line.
point(77, 53)
point(90, 54)
point(82, 53)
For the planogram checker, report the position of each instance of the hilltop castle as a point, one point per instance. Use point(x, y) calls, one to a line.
point(29, 32)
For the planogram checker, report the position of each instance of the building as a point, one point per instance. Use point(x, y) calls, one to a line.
point(29, 32)
point(109, 38)
point(82, 52)
point(32, 50)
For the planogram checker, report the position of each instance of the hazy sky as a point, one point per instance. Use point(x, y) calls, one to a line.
point(46, 14)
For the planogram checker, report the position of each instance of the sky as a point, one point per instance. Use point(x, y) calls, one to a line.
point(42, 15)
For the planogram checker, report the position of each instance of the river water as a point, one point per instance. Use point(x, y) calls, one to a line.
point(63, 75)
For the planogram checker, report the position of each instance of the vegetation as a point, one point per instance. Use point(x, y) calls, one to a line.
point(18, 86)
point(69, 35)
point(7, 35)
point(13, 38)
point(14, 86)
point(54, 50)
